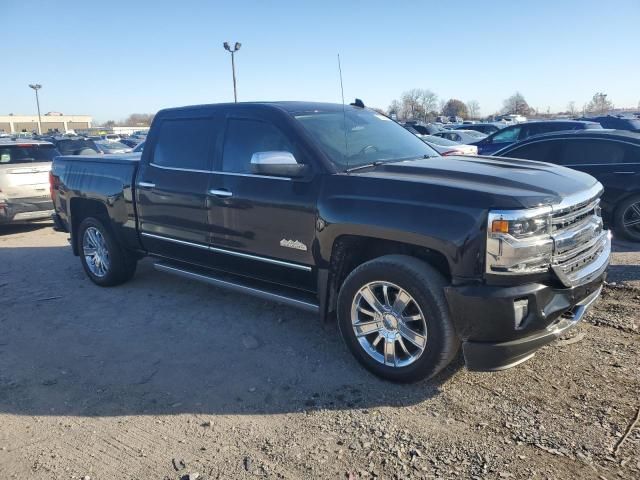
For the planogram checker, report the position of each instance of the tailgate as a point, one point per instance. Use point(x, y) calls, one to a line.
point(25, 180)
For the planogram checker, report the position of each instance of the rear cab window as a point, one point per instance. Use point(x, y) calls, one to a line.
point(184, 144)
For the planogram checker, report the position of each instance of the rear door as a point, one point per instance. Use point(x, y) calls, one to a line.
point(24, 171)
point(171, 187)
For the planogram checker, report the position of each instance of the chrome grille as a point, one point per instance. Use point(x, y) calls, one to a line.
point(580, 243)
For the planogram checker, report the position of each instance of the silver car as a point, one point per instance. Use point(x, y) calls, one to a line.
point(24, 180)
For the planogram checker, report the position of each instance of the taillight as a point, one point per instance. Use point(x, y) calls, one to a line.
point(51, 184)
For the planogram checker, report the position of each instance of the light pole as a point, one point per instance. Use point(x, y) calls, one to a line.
point(236, 47)
point(36, 87)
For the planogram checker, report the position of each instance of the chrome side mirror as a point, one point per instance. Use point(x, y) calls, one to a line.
point(277, 164)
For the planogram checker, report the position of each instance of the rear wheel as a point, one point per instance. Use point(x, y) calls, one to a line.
point(395, 320)
point(103, 259)
point(626, 219)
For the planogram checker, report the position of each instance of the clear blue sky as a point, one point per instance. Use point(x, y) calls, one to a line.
point(110, 59)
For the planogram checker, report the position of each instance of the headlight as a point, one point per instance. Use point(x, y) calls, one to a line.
point(519, 241)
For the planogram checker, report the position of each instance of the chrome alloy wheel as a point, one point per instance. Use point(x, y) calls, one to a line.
point(631, 217)
point(389, 324)
point(95, 251)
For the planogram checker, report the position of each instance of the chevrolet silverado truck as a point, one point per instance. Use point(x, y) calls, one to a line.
point(340, 211)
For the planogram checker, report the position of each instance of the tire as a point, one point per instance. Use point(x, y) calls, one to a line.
point(425, 286)
point(626, 211)
point(119, 265)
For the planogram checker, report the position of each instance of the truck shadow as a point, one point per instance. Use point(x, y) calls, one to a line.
point(159, 345)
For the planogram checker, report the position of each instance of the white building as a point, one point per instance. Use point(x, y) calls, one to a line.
point(50, 121)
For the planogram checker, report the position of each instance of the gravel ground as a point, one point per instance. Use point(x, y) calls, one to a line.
point(170, 379)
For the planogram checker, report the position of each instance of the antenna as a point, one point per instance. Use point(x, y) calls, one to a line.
point(344, 112)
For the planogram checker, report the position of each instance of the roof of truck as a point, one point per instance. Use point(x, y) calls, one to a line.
point(289, 106)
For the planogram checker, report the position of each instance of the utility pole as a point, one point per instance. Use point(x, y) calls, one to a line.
point(36, 87)
point(236, 47)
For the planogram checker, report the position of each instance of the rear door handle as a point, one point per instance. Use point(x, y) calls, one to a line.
point(146, 185)
point(221, 192)
point(624, 173)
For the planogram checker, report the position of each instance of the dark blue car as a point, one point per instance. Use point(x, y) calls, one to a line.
point(515, 133)
point(617, 122)
point(611, 156)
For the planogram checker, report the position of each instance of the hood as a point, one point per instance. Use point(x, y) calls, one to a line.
point(494, 182)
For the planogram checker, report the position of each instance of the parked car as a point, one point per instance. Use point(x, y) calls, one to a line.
point(423, 128)
point(139, 147)
point(611, 156)
point(339, 210)
point(447, 147)
point(110, 147)
point(486, 128)
point(616, 122)
point(111, 137)
point(131, 142)
point(462, 136)
point(24, 180)
point(521, 131)
point(76, 146)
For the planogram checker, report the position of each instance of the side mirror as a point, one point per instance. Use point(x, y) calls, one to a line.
point(277, 164)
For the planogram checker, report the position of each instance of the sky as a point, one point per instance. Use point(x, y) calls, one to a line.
point(111, 59)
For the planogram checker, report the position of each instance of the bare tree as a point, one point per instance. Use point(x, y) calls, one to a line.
point(395, 108)
point(571, 107)
point(412, 104)
point(428, 102)
point(473, 107)
point(139, 119)
point(516, 104)
point(109, 124)
point(599, 104)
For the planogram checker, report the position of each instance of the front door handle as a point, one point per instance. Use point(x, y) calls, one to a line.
point(220, 192)
point(624, 173)
point(146, 185)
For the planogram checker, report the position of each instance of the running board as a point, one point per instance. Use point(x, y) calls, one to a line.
point(239, 284)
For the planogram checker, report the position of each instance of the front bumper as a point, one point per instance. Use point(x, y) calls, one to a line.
point(25, 209)
point(494, 337)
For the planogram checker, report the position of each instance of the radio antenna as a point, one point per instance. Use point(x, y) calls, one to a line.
point(344, 112)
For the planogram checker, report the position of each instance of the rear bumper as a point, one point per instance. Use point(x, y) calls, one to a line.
point(495, 336)
point(25, 209)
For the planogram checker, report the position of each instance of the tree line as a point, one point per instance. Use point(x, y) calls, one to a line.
point(424, 105)
point(133, 120)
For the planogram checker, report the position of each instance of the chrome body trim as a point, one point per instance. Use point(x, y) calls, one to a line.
point(238, 287)
point(273, 261)
point(146, 185)
point(234, 174)
point(220, 193)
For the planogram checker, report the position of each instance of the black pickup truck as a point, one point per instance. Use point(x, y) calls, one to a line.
point(341, 211)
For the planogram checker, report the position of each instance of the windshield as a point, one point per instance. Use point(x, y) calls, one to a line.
point(369, 137)
point(114, 146)
point(27, 153)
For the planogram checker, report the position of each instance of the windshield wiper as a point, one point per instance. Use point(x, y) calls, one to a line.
point(366, 165)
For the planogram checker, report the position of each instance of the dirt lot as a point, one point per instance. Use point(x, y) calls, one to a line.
point(163, 379)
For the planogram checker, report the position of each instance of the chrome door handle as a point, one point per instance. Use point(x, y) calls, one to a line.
point(220, 193)
point(146, 185)
point(624, 173)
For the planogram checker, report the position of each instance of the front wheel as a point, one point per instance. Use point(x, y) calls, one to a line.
point(626, 218)
point(394, 318)
point(105, 262)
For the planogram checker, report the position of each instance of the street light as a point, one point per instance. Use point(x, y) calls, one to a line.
point(36, 87)
point(236, 47)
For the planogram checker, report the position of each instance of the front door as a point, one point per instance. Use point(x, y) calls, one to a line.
point(269, 222)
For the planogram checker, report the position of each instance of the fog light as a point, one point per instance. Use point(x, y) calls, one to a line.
point(520, 311)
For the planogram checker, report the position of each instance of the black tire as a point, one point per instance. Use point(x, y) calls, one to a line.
point(426, 286)
point(122, 265)
point(626, 209)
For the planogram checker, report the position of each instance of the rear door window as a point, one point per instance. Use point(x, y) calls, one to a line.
point(594, 152)
point(185, 143)
point(509, 134)
point(26, 153)
point(539, 151)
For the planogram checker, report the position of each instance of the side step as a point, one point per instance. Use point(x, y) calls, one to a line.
point(303, 300)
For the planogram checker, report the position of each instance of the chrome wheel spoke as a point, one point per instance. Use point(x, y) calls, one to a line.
point(366, 328)
point(385, 294)
point(631, 223)
point(371, 299)
point(412, 336)
point(390, 352)
point(89, 251)
point(366, 311)
point(403, 346)
point(412, 318)
point(377, 340)
point(96, 253)
point(401, 302)
point(636, 208)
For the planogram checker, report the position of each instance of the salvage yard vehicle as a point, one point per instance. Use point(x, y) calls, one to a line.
point(611, 156)
point(341, 211)
point(24, 180)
